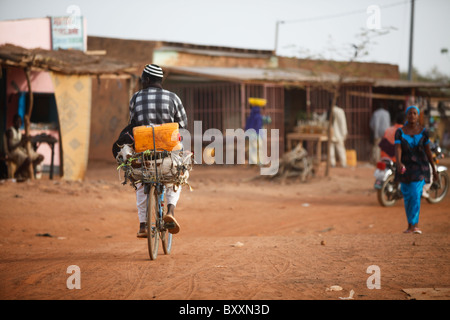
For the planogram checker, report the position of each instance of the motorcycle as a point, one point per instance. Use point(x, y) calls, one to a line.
point(388, 190)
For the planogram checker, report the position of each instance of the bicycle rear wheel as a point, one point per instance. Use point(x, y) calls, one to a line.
point(152, 221)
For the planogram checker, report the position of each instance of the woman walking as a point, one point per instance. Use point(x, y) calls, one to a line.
point(414, 157)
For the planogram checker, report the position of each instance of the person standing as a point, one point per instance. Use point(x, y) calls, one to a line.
point(379, 122)
point(414, 157)
point(340, 133)
point(253, 126)
point(154, 105)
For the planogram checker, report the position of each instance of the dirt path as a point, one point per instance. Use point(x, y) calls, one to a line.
point(241, 238)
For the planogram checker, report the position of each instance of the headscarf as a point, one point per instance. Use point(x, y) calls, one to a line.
point(407, 109)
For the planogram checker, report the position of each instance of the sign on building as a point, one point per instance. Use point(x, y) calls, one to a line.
point(67, 32)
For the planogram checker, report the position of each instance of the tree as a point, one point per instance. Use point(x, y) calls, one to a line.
point(433, 75)
point(27, 123)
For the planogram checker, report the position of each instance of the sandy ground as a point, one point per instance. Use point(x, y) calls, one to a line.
point(240, 239)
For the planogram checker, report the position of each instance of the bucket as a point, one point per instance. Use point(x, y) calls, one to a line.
point(351, 158)
point(143, 137)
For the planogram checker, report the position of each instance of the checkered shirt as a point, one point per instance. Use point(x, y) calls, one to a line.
point(157, 106)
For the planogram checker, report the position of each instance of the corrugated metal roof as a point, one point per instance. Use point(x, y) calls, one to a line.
point(291, 76)
point(217, 52)
point(254, 74)
point(213, 50)
point(408, 84)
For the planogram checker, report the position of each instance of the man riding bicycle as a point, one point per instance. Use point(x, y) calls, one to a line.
point(153, 105)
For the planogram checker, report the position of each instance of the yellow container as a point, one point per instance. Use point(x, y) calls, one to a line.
point(351, 158)
point(167, 137)
point(258, 102)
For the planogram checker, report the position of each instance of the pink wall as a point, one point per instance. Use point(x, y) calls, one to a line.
point(27, 33)
point(30, 33)
point(40, 81)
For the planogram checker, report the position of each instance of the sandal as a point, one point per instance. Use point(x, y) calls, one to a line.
point(172, 224)
point(417, 231)
point(142, 233)
point(408, 231)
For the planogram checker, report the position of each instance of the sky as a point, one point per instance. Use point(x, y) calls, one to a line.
point(311, 29)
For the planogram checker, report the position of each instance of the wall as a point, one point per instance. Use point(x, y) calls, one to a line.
point(109, 115)
point(187, 59)
point(16, 82)
point(358, 69)
point(142, 52)
point(40, 81)
point(133, 51)
point(17, 32)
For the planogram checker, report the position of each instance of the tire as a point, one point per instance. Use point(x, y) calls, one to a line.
point(385, 197)
point(152, 228)
point(437, 195)
point(166, 236)
point(166, 239)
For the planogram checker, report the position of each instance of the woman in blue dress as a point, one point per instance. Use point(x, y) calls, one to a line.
point(414, 157)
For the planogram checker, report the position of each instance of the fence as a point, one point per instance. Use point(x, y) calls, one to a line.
point(358, 110)
point(224, 105)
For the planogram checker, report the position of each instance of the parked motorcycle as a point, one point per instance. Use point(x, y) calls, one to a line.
point(388, 190)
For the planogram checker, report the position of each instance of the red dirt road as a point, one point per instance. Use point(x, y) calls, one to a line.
point(240, 238)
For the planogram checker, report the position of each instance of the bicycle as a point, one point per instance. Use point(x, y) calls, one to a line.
point(157, 169)
point(154, 188)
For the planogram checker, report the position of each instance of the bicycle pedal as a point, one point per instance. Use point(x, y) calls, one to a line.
point(169, 225)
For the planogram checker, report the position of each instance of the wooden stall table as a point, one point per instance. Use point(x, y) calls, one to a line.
point(50, 140)
point(316, 138)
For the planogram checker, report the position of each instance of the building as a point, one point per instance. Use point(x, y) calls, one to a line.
point(215, 82)
point(64, 86)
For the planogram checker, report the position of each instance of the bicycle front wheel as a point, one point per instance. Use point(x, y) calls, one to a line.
point(152, 221)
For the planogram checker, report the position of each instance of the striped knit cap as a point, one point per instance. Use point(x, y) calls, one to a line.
point(153, 70)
